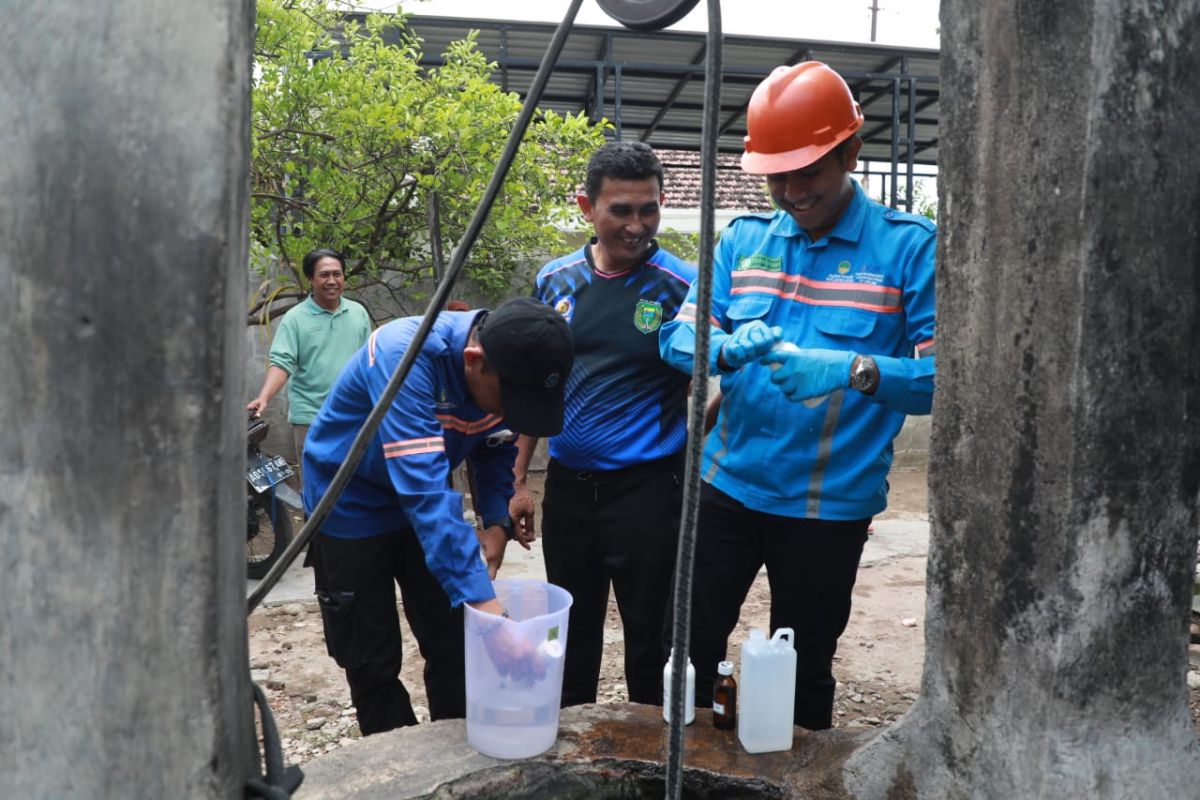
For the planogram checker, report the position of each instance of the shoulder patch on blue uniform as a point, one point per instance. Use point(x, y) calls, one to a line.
point(761, 216)
point(566, 307)
point(892, 215)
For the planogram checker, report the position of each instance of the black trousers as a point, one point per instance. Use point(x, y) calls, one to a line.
point(811, 568)
point(619, 526)
point(356, 588)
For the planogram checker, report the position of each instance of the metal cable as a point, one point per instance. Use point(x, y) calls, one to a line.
point(695, 444)
point(436, 302)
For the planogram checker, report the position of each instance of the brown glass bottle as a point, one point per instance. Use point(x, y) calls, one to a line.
point(725, 698)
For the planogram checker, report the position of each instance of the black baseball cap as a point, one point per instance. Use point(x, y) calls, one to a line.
point(529, 344)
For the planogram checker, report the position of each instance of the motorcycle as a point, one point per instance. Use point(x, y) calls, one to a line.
point(268, 523)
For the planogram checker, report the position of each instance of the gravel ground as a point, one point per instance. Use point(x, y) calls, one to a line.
point(312, 705)
point(878, 665)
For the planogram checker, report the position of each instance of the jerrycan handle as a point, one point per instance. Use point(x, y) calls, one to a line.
point(784, 635)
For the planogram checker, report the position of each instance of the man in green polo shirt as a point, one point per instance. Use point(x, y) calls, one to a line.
point(314, 341)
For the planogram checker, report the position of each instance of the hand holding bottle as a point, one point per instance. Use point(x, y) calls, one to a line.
point(749, 343)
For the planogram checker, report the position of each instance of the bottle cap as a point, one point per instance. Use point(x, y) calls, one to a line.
point(725, 668)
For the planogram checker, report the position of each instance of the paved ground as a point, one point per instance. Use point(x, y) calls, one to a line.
point(295, 585)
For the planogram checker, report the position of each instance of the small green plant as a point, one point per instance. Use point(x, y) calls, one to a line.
point(925, 200)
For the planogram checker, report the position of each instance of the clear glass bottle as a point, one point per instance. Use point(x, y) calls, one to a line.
point(725, 698)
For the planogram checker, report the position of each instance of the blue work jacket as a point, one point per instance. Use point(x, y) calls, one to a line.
point(867, 287)
point(403, 478)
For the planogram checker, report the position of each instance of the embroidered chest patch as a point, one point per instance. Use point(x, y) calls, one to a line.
point(647, 316)
point(760, 261)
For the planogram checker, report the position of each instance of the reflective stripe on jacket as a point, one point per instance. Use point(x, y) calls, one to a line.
point(403, 478)
point(866, 287)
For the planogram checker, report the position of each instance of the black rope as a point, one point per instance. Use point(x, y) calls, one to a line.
point(363, 440)
point(695, 444)
point(279, 782)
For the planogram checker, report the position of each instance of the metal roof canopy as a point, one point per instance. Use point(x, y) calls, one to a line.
point(650, 85)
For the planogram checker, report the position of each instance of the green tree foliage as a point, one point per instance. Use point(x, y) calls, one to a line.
point(925, 200)
point(684, 245)
point(353, 141)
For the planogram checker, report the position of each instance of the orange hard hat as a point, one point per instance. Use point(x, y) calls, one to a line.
point(796, 116)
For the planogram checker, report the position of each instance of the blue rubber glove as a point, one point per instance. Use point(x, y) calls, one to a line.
point(749, 343)
point(805, 374)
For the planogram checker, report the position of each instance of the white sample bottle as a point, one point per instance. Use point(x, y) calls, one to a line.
point(768, 692)
point(689, 692)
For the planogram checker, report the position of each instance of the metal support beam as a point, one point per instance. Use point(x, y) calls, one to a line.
point(673, 96)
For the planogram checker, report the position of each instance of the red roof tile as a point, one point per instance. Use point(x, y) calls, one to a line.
point(735, 189)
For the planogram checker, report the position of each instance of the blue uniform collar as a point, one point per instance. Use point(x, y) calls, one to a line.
point(461, 323)
point(848, 228)
point(650, 253)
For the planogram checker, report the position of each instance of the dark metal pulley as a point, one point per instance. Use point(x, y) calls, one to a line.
point(647, 15)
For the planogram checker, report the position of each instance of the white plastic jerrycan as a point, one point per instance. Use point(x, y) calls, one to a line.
point(768, 691)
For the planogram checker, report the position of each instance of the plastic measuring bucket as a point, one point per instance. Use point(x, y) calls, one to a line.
point(513, 702)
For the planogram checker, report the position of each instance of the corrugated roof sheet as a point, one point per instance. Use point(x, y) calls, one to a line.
point(651, 83)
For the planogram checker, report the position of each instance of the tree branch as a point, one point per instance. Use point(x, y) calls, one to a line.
point(271, 134)
point(282, 199)
point(255, 316)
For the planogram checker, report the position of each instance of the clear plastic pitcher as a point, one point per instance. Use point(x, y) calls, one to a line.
point(768, 692)
point(515, 669)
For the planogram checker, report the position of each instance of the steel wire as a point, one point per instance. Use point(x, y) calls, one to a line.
point(690, 513)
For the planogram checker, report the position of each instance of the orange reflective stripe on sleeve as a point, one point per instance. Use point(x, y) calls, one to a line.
point(687, 313)
point(412, 447)
point(464, 426)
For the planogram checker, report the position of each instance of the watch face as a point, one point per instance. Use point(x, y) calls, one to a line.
point(864, 377)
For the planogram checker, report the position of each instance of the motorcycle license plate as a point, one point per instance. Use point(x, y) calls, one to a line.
point(266, 471)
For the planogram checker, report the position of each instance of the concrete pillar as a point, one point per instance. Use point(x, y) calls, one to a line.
point(1065, 454)
point(123, 202)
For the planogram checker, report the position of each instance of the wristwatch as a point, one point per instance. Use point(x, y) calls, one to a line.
point(865, 375)
point(505, 522)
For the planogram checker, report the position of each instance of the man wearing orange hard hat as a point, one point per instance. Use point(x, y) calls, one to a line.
point(821, 331)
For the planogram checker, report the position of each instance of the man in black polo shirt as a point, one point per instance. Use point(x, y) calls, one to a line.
point(613, 489)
